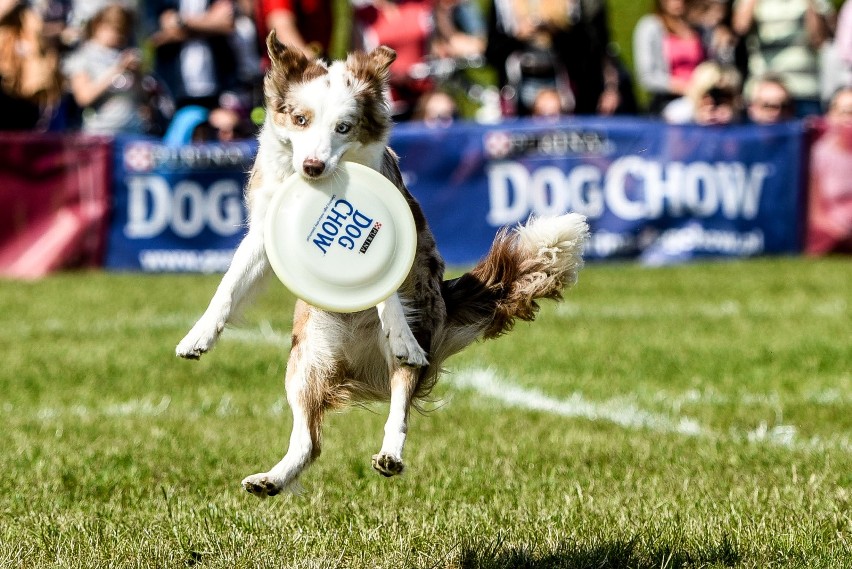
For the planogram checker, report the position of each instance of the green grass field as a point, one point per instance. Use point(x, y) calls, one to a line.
point(696, 416)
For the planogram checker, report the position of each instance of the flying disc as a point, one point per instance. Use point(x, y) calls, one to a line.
point(343, 243)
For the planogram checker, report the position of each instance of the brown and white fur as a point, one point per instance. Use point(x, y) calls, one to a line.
point(317, 116)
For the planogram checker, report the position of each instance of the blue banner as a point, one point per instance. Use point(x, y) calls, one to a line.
point(177, 209)
point(657, 192)
point(651, 191)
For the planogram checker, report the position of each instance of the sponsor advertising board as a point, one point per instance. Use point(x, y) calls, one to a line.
point(54, 202)
point(658, 193)
point(177, 209)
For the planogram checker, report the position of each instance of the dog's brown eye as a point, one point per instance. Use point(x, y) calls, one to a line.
point(343, 128)
point(300, 120)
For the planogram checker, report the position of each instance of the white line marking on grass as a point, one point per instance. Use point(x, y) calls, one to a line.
point(831, 308)
point(625, 414)
point(133, 323)
point(784, 435)
point(264, 334)
point(133, 408)
point(621, 413)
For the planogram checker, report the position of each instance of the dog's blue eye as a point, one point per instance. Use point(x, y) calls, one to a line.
point(342, 128)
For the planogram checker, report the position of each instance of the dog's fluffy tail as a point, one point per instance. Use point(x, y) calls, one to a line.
point(533, 261)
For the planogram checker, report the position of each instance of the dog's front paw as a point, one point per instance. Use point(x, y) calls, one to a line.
point(407, 351)
point(262, 485)
point(387, 464)
point(199, 340)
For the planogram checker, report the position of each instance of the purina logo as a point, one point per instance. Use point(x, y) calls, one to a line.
point(146, 157)
point(139, 157)
point(370, 236)
point(499, 145)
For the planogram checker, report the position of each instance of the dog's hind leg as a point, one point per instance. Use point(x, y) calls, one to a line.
point(403, 384)
point(242, 278)
point(308, 406)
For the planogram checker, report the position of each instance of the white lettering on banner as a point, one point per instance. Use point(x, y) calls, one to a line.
point(690, 239)
point(188, 210)
point(508, 184)
point(632, 188)
point(153, 206)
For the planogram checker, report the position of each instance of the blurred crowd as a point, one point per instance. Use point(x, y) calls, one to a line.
point(191, 70)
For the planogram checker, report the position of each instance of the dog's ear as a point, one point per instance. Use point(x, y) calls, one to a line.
point(372, 69)
point(288, 65)
point(287, 61)
point(382, 57)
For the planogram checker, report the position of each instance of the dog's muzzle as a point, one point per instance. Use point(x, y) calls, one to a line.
point(313, 168)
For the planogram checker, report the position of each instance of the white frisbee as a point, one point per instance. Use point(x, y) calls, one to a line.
point(343, 243)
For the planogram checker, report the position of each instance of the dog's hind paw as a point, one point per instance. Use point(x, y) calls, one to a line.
point(262, 485)
point(387, 464)
point(407, 353)
point(416, 359)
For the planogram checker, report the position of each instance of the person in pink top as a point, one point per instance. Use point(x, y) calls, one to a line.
point(830, 190)
point(666, 51)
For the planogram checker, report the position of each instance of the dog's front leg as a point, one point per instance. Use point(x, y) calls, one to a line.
point(403, 344)
point(246, 271)
point(403, 383)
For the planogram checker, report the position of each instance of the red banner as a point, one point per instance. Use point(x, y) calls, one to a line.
point(829, 227)
point(54, 202)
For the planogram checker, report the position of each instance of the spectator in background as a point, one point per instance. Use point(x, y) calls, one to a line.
point(194, 124)
point(436, 109)
point(548, 104)
point(599, 82)
point(769, 100)
point(245, 44)
point(830, 190)
point(460, 30)
point(82, 11)
point(784, 37)
point(843, 41)
point(712, 97)
point(193, 52)
point(55, 15)
point(521, 48)
point(837, 70)
point(29, 72)
point(666, 50)
point(405, 26)
point(103, 74)
point(303, 24)
point(712, 18)
point(557, 44)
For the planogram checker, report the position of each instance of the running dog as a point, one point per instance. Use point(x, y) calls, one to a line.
point(318, 115)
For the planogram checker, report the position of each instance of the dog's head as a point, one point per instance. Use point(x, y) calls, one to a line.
point(326, 111)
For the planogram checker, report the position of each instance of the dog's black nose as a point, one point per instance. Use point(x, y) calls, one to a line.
point(313, 167)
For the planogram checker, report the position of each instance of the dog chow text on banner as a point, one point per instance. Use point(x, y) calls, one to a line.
point(657, 192)
point(177, 209)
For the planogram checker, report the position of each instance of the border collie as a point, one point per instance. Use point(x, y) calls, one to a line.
point(318, 115)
